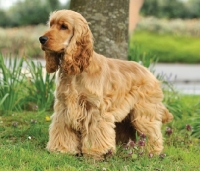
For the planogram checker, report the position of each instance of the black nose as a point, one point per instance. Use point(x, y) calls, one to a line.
point(43, 39)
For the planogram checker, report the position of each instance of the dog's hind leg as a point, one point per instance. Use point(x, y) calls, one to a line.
point(147, 119)
point(166, 116)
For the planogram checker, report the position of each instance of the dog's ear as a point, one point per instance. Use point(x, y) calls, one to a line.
point(79, 50)
point(52, 62)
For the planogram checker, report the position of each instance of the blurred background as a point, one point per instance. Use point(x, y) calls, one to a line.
point(169, 30)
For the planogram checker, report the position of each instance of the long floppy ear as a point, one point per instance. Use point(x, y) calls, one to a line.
point(80, 49)
point(52, 62)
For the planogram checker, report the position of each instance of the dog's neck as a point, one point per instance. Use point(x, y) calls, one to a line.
point(95, 64)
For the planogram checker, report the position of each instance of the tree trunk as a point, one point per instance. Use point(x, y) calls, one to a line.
point(108, 23)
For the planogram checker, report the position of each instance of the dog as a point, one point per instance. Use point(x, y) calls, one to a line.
point(98, 101)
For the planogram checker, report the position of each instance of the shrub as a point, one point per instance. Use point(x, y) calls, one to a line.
point(171, 9)
point(175, 27)
point(29, 12)
point(145, 58)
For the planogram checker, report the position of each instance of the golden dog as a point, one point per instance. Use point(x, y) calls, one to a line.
point(98, 100)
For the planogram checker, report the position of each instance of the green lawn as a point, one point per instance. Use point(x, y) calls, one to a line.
point(169, 47)
point(24, 136)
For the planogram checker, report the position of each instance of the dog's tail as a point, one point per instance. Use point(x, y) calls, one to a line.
point(167, 116)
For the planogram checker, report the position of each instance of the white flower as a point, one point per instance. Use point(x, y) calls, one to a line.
point(29, 137)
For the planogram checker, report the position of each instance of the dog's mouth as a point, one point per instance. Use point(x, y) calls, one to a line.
point(45, 48)
point(57, 54)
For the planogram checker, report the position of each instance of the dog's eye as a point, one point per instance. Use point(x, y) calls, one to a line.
point(63, 27)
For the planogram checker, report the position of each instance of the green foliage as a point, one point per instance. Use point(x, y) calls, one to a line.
point(185, 109)
point(29, 12)
point(41, 86)
point(196, 126)
point(171, 9)
point(194, 119)
point(136, 53)
point(4, 16)
point(11, 83)
point(170, 48)
point(171, 96)
point(193, 8)
point(26, 13)
point(54, 4)
point(30, 88)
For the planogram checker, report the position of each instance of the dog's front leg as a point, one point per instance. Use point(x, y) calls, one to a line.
point(99, 138)
point(62, 137)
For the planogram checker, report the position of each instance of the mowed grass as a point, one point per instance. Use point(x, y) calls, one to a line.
point(24, 135)
point(22, 158)
point(169, 47)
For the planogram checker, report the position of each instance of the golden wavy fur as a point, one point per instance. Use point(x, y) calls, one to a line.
point(98, 101)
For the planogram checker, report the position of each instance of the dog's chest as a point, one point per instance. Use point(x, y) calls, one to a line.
point(76, 102)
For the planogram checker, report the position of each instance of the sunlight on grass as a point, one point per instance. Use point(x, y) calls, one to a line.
point(168, 47)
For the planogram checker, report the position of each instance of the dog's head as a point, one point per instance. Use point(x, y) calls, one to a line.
point(68, 43)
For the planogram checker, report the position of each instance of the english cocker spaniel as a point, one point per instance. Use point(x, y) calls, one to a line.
point(98, 101)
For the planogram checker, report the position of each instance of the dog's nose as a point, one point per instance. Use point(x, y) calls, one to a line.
point(43, 39)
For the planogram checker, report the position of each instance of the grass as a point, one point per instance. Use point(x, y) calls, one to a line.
point(168, 47)
point(24, 136)
point(33, 159)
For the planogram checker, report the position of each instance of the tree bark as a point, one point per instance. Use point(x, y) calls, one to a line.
point(108, 23)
